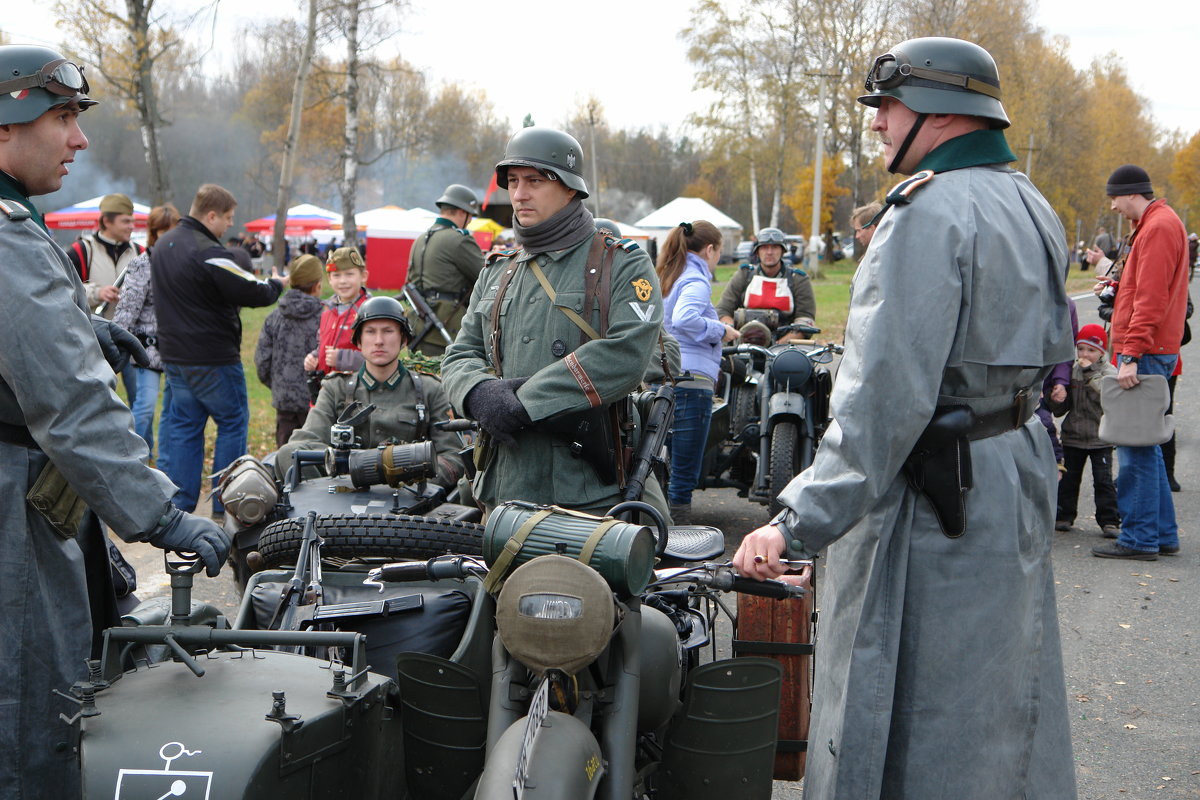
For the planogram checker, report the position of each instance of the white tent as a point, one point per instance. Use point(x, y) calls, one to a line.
point(689, 209)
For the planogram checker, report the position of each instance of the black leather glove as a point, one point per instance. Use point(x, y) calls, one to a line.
point(494, 405)
point(178, 530)
point(118, 345)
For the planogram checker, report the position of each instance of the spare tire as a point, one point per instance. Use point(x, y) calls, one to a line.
point(363, 536)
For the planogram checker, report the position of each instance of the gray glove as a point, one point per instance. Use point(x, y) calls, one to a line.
point(180, 531)
point(494, 405)
point(118, 345)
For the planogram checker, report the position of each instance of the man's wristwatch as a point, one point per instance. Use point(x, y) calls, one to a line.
point(1124, 359)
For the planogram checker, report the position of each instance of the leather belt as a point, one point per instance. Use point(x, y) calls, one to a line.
point(18, 435)
point(432, 295)
point(1005, 419)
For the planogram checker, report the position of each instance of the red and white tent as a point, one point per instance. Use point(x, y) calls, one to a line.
point(85, 216)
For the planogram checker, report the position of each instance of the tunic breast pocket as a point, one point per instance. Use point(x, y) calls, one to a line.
point(568, 307)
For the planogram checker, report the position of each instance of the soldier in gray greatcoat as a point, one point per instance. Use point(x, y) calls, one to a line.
point(66, 440)
point(443, 266)
point(939, 673)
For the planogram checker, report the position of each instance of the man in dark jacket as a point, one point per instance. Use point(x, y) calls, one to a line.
point(199, 289)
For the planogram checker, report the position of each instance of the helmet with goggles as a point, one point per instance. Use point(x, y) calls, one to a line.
point(553, 153)
point(769, 236)
point(34, 80)
point(938, 75)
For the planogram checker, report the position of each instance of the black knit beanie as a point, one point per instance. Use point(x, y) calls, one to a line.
point(1128, 179)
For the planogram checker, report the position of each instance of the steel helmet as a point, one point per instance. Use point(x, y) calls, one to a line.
point(34, 80)
point(459, 196)
point(938, 75)
point(548, 151)
point(382, 307)
point(768, 236)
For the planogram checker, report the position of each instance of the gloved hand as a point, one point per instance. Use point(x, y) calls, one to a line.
point(118, 345)
point(494, 405)
point(178, 530)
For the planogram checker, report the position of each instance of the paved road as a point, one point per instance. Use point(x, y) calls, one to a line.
point(1131, 639)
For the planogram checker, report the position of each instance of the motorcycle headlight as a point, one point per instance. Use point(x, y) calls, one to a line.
point(555, 613)
point(790, 368)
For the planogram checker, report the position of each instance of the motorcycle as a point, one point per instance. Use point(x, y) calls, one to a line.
point(770, 416)
point(599, 684)
point(341, 483)
point(336, 679)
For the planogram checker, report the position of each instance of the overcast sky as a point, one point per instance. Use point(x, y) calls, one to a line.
point(548, 56)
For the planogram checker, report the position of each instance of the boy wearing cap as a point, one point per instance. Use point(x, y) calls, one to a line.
point(1081, 438)
point(101, 257)
point(335, 351)
point(288, 334)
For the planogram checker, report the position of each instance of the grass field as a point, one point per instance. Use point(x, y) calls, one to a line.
point(832, 290)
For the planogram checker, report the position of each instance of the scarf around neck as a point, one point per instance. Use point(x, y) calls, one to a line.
point(570, 226)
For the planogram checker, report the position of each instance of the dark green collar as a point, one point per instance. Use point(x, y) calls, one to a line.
point(11, 189)
point(371, 384)
point(444, 222)
point(973, 149)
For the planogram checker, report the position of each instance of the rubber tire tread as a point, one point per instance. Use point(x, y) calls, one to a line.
point(791, 454)
point(362, 536)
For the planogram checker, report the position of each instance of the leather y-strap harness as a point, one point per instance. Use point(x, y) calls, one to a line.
point(597, 290)
point(421, 428)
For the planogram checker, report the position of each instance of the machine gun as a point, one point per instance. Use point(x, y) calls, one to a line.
point(656, 424)
point(304, 587)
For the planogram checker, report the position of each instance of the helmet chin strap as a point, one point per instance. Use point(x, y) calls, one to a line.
point(908, 140)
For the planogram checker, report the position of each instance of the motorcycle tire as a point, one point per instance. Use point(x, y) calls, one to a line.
point(743, 409)
point(791, 454)
point(355, 536)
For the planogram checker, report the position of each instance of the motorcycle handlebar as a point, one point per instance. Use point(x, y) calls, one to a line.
point(726, 579)
point(457, 425)
point(434, 569)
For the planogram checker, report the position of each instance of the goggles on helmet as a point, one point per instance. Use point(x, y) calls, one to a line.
point(890, 70)
point(59, 77)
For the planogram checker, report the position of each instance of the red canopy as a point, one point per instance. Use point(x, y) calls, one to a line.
point(86, 216)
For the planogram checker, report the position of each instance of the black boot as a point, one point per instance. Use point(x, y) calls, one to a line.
point(1168, 453)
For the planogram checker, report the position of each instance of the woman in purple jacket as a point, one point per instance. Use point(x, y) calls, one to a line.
point(685, 264)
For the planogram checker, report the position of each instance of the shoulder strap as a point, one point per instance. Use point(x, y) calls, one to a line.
point(424, 248)
point(505, 279)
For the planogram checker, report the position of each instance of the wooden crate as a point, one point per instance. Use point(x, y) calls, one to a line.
point(783, 630)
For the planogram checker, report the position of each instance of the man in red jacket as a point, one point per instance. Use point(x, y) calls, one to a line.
point(1147, 328)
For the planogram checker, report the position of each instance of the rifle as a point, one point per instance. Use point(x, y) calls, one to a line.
point(414, 296)
point(655, 428)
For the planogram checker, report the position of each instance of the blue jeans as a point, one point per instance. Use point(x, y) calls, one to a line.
point(689, 434)
point(192, 395)
point(1143, 494)
point(144, 400)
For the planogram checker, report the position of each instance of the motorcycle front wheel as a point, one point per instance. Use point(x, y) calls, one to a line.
point(791, 453)
point(354, 536)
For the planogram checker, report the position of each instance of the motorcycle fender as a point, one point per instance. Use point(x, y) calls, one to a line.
point(786, 404)
point(564, 763)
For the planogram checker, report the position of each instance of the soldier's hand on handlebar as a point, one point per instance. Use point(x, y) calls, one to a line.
point(178, 530)
point(118, 345)
point(759, 555)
